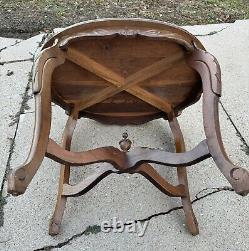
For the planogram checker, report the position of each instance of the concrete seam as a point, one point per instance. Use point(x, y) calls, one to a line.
point(16, 61)
point(211, 33)
point(6, 47)
point(40, 43)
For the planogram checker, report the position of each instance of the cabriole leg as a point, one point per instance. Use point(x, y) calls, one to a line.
point(209, 70)
point(19, 178)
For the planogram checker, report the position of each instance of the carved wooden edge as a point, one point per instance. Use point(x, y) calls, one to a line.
point(38, 69)
point(208, 68)
point(153, 29)
point(108, 154)
point(128, 32)
point(124, 161)
point(20, 177)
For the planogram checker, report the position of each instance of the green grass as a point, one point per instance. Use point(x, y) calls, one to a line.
point(36, 15)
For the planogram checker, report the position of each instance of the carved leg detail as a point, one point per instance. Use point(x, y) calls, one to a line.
point(191, 221)
point(20, 177)
point(209, 70)
point(55, 223)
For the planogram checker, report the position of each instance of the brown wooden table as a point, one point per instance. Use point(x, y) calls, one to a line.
point(125, 71)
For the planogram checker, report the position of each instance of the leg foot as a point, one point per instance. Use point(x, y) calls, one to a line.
point(54, 228)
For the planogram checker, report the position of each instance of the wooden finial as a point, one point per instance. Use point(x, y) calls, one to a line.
point(125, 143)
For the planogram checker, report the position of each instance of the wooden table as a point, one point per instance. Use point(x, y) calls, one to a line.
point(125, 71)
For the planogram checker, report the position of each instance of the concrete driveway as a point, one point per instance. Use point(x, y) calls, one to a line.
point(222, 215)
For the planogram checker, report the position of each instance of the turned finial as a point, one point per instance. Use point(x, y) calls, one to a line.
point(125, 143)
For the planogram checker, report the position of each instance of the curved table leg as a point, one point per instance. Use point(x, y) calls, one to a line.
point(182, 177)
point(209, 70)
point(55, 222)
point(19, 178)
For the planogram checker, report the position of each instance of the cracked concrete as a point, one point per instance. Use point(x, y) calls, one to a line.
point(22, 50)
point(211, 33)
point(207, 30)
point(27, 95)
point(8, 42)
point(24, 103)
point(244, 146)
point(11, 99)
point(89, 229)
point(129, 196)
point(16, 61)
point(208, 192)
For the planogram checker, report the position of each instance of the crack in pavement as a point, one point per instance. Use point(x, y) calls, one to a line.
point(211, 33)
point(87, 231)
point(244, 146)
point(45, 37)
point(18, 41)
point(6, 47)
point(5, 241)
point(24, 104)
point(198, 197)
point(40, 43)
point(16, 61)
point(32, 112)
point(3, 200)
point(25, 96)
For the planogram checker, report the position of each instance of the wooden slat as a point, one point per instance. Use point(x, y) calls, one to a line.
point(126, 101)
point(91, 65)
point(72, 75)
point(124, 114)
